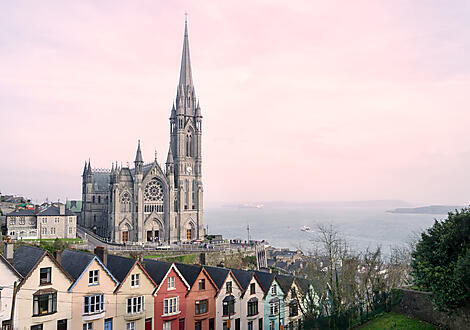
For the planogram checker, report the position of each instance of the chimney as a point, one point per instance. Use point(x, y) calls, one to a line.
point(58, 256)
point(8, 252)
point(102, 254)
point(61, 209)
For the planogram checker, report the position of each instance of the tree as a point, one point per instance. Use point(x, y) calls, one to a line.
point(441, 260)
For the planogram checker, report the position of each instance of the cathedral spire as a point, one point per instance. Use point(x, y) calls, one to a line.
point(138, 155)
point(185, 72)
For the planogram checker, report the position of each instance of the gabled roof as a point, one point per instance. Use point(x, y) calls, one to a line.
point(179, 275)
point(156, 269)
point(189, 272)
point(218, 275)
point(77, 262)
point(266, 279)
point(10, 266)
point(24, 212)
point(243, 277)
point(285, 282)
point(26, 257)
point(120, 266)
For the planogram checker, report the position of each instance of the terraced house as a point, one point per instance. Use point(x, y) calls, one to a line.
point(274, 307)
point(92, 291)
point(134, 294)
point(42, 300)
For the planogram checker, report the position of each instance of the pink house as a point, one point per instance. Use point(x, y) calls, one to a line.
point(170, 296)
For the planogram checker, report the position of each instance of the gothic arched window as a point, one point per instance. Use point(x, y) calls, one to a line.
point(189, 145)
point(125, 202)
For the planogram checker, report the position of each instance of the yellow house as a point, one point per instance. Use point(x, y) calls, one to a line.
point(134, 295)
point(42, 300)
point(93, 301)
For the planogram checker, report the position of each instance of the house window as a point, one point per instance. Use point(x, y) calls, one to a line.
point(228, 305)
point(274, 289)
point(130, 326)
point(93, 304)
point(36, 327)
point(171, 283)
point(88, 326)
point(44, 220)
point(167, 326)
point(202, 284)
point(274, 308)
point(198, 325)
point(252, 288)
point(44, 231)
point(250, 325)
point(45, 275)
point(22, 221)
point(56, 220)
point(252, 306)
point(32, 222)
point(171, 306)
point(93, 277)
point(260, 324)
point(271, 325)
point(52, 231)
point(12, 221)
point(135, 305)
point(135, 280)
point(228, 287)
point(44, 304)
point(70, 230)
point(293, 308)
point(201, 306)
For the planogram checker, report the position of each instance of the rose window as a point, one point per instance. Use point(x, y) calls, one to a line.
point(153, 191)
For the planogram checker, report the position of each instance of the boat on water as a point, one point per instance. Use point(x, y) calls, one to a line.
point(305, 228)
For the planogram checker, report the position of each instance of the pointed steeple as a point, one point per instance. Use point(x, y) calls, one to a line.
point(89, 166)
point(85, 168)
point(138, 155)
point(185, 72)
point(169, 158)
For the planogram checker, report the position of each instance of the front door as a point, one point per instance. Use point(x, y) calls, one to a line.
point(125, 236)
point(181, 324)
point(148, 324)
point(149, 236)
point(62, 325)
point(157, 235)
point(108, 324)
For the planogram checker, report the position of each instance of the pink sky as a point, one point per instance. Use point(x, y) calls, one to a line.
point(302, 100)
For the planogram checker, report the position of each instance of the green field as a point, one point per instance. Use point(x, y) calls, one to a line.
point(65, 240)
point(397, 321)
point(185, 259)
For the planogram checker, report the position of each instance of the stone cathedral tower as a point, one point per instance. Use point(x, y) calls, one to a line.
point(148, 203)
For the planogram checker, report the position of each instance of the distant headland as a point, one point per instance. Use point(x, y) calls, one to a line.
point(432, 209)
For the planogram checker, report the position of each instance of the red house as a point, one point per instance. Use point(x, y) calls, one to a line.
point(170, 295)
point(200, 299)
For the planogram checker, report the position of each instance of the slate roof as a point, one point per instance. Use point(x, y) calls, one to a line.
point(156, 269)
point(53, 210)
point(119, 266)
point(189, 272)
point(26, 257)
point(285, 282)
point(75, 262)
point(9, 265)
point(265, 279)
point(24, 212)
point(218, 274)
point(243, 277)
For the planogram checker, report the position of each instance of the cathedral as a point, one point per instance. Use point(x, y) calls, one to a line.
point(149, 202)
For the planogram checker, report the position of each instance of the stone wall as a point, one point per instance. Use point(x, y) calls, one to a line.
point(419, 304)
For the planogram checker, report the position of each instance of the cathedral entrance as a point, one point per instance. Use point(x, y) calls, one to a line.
point(153, 236)
point(125, 236)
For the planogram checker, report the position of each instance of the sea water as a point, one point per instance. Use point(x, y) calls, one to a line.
point(362, 227)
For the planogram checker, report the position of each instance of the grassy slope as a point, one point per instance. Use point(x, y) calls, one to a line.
point(397, 321)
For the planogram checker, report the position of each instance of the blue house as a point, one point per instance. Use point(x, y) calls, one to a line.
point(274, 307)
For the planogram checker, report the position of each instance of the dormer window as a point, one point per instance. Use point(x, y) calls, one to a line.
point(135, 280)
point(171, 283)
point(45, 275)
point(93, 277)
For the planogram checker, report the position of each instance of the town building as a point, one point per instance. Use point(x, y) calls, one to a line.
point(274, 306)
point(200, 301)
point(92, 291)
point(149, 202)
point(134, 294)
point(9, 279)
point(22, 224)
point(293, 311)
point(42, 300)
